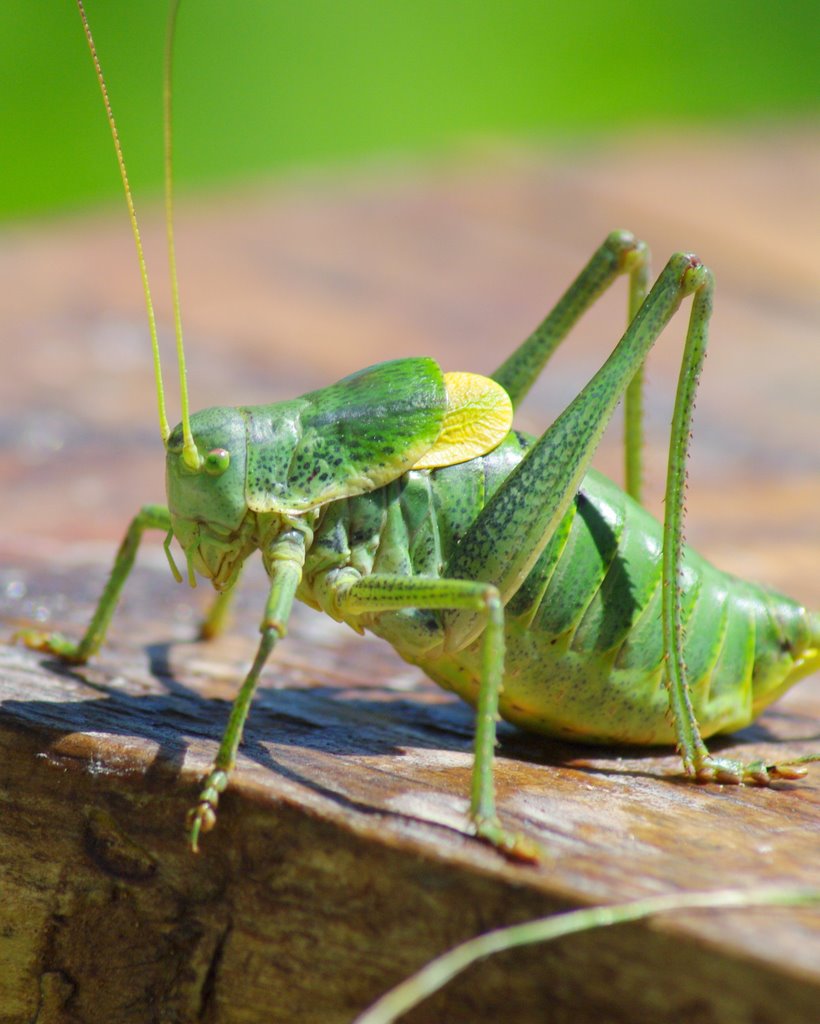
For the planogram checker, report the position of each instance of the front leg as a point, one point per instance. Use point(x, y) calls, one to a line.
point(149, 517)
point(284, 561)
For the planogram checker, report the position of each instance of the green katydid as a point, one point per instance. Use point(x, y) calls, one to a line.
point(400, 501)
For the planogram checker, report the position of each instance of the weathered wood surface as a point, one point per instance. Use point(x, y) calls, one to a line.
point(338, 864)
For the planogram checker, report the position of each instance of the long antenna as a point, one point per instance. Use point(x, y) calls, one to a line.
point(164, 429)
point(190, 454)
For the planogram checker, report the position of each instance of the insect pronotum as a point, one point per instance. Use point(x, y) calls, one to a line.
point(399, 500)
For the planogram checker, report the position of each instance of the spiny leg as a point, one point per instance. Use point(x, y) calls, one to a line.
point(633, 396)
point(696, 758)
point(619, 254)
point(690, 743)
point(284, 561)
point(150, 517)
point(383, 593)
point(515, 526)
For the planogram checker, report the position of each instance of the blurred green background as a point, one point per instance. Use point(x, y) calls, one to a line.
point(267, 84)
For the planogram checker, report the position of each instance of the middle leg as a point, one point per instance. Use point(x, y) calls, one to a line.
point(384, 593)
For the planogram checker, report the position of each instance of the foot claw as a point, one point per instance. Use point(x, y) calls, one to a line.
point(787, 771)
point(512, 844)
point(202, 818)
point(755, 773)
point(50, 643)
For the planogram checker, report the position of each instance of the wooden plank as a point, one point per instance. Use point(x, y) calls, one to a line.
point(339, 863)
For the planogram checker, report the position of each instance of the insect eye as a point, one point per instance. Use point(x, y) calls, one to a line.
point(217, 461)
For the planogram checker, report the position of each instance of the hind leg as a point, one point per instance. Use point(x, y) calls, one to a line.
point(619, 254)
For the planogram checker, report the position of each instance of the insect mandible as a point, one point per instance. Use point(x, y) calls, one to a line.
point(401, 501)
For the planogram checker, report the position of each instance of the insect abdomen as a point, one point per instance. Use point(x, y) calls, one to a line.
point(584, 649)
point(585, 653)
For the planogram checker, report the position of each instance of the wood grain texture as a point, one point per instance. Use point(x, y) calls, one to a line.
point(339, 864)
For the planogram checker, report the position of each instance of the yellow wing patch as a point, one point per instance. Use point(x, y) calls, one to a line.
point(478, 418)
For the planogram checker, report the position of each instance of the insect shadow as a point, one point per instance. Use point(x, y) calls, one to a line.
point(323, 719)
